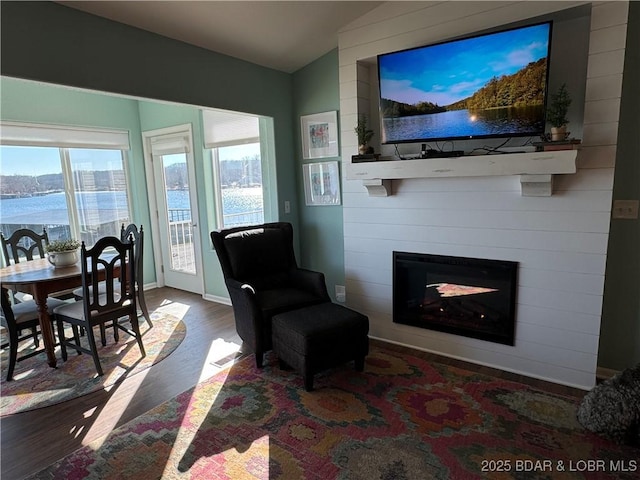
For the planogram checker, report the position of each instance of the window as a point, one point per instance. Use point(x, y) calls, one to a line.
point(240, 191)
point(72, 192)
point(234, 139)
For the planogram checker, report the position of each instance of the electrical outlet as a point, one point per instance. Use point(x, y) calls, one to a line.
point(341, 293)
point(627, 209)
point(287, 206)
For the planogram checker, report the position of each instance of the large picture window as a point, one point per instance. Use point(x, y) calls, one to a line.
point(240, 194)
point(72, 192)
point(234, 139)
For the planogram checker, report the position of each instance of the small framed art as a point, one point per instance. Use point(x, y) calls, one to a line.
point(321, 183)
point(319, 135)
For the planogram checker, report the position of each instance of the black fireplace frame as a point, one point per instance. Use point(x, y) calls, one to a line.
point(508, 270)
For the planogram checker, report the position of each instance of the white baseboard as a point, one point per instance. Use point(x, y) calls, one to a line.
point(217, 299)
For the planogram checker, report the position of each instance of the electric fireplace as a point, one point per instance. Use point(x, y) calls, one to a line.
point(464, 296)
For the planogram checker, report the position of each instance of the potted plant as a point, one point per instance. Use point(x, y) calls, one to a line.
point(557, 113)
point(364, 135)
point(62, 253)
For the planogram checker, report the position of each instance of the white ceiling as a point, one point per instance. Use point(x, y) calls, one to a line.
point(283, 35)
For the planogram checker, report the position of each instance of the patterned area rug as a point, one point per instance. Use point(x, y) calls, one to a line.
point(36, 385)
point(403, 418)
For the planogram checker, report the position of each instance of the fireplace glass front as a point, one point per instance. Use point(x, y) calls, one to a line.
point(464, 296)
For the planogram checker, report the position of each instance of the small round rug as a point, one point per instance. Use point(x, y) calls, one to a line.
point(36, 385)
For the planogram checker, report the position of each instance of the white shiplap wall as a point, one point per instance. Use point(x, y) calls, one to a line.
point(560, 241)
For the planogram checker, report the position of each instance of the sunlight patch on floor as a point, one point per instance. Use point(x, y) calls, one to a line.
point(221, 354)
point(102, 427)
point(176, 309)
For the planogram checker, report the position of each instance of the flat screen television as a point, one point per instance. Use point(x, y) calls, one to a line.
point(489, 85)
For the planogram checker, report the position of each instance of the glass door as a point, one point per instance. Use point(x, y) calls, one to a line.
point(174, 198)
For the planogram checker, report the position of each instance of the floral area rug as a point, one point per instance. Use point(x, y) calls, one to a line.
point(36, 385)
point(403, 418)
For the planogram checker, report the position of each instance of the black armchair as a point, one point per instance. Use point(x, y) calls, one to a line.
point(263, 279)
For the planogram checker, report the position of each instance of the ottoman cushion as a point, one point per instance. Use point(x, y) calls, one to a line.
point(320, 336)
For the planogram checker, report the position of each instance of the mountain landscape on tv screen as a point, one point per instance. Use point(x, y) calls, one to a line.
point(524, 88)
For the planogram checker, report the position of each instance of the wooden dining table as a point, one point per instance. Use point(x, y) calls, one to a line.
point(40, 279)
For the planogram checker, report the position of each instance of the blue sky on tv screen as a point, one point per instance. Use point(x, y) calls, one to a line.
point(446, 73)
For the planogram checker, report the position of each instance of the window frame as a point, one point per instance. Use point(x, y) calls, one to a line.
point(64, 139)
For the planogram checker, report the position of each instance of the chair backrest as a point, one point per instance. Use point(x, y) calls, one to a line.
point(114, 259)
point(23, 241)
point(259, 254)
point(131, 231)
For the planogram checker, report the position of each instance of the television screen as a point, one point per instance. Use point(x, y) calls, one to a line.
point(491, 85)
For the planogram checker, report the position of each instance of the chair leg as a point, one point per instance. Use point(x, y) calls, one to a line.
point(308, 380)
point(259, 358)
point(143, 307)
point(116, 333)
point(61, 339)
point(103, 335)
point(94, 350)
point(13, 355)
point(34, 334)
point(76, 336)
point(136, 328)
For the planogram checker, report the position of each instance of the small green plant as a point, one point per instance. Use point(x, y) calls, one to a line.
point(364, 134)
point(62, 246)
point(558, 107)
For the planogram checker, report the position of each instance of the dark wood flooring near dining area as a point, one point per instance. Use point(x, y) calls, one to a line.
point(34, 439)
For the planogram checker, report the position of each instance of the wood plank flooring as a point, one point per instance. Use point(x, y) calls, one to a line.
point(32, 440)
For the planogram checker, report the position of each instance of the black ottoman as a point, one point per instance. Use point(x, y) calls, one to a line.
point(319, 337)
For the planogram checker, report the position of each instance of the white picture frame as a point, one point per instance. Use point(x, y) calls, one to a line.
point(321, 183)
point(319, 135)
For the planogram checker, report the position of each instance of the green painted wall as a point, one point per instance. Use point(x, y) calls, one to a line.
point(48, 42)
point(316, 90)
point(40, 103)
point(620, 330)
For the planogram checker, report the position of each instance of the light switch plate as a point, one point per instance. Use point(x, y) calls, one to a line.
point(627, 209)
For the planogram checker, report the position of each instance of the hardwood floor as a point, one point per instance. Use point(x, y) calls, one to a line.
point(32, 440)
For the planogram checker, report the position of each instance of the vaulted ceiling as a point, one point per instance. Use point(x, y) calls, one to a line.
point(283, 35)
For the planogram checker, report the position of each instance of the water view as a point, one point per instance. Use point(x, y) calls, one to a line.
point(464, 123)
point(99, 208)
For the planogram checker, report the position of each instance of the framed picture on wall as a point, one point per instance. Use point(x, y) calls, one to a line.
point(319, 135)
point(321, 183)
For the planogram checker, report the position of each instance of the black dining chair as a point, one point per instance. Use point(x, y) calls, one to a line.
point(132, 231)
point(22, 244)
point(17, 318)
point(117, 300)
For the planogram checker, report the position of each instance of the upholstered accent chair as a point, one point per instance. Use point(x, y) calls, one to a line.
point(263, 278)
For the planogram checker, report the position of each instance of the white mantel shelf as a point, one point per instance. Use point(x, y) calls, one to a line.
point(536, 170)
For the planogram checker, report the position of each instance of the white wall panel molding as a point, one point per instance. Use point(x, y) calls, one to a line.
point(559, 242)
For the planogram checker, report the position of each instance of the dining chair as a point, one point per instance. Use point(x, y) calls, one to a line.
point(114, 258)
point(16, 318)
point(132, 231)
point(23, 243)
